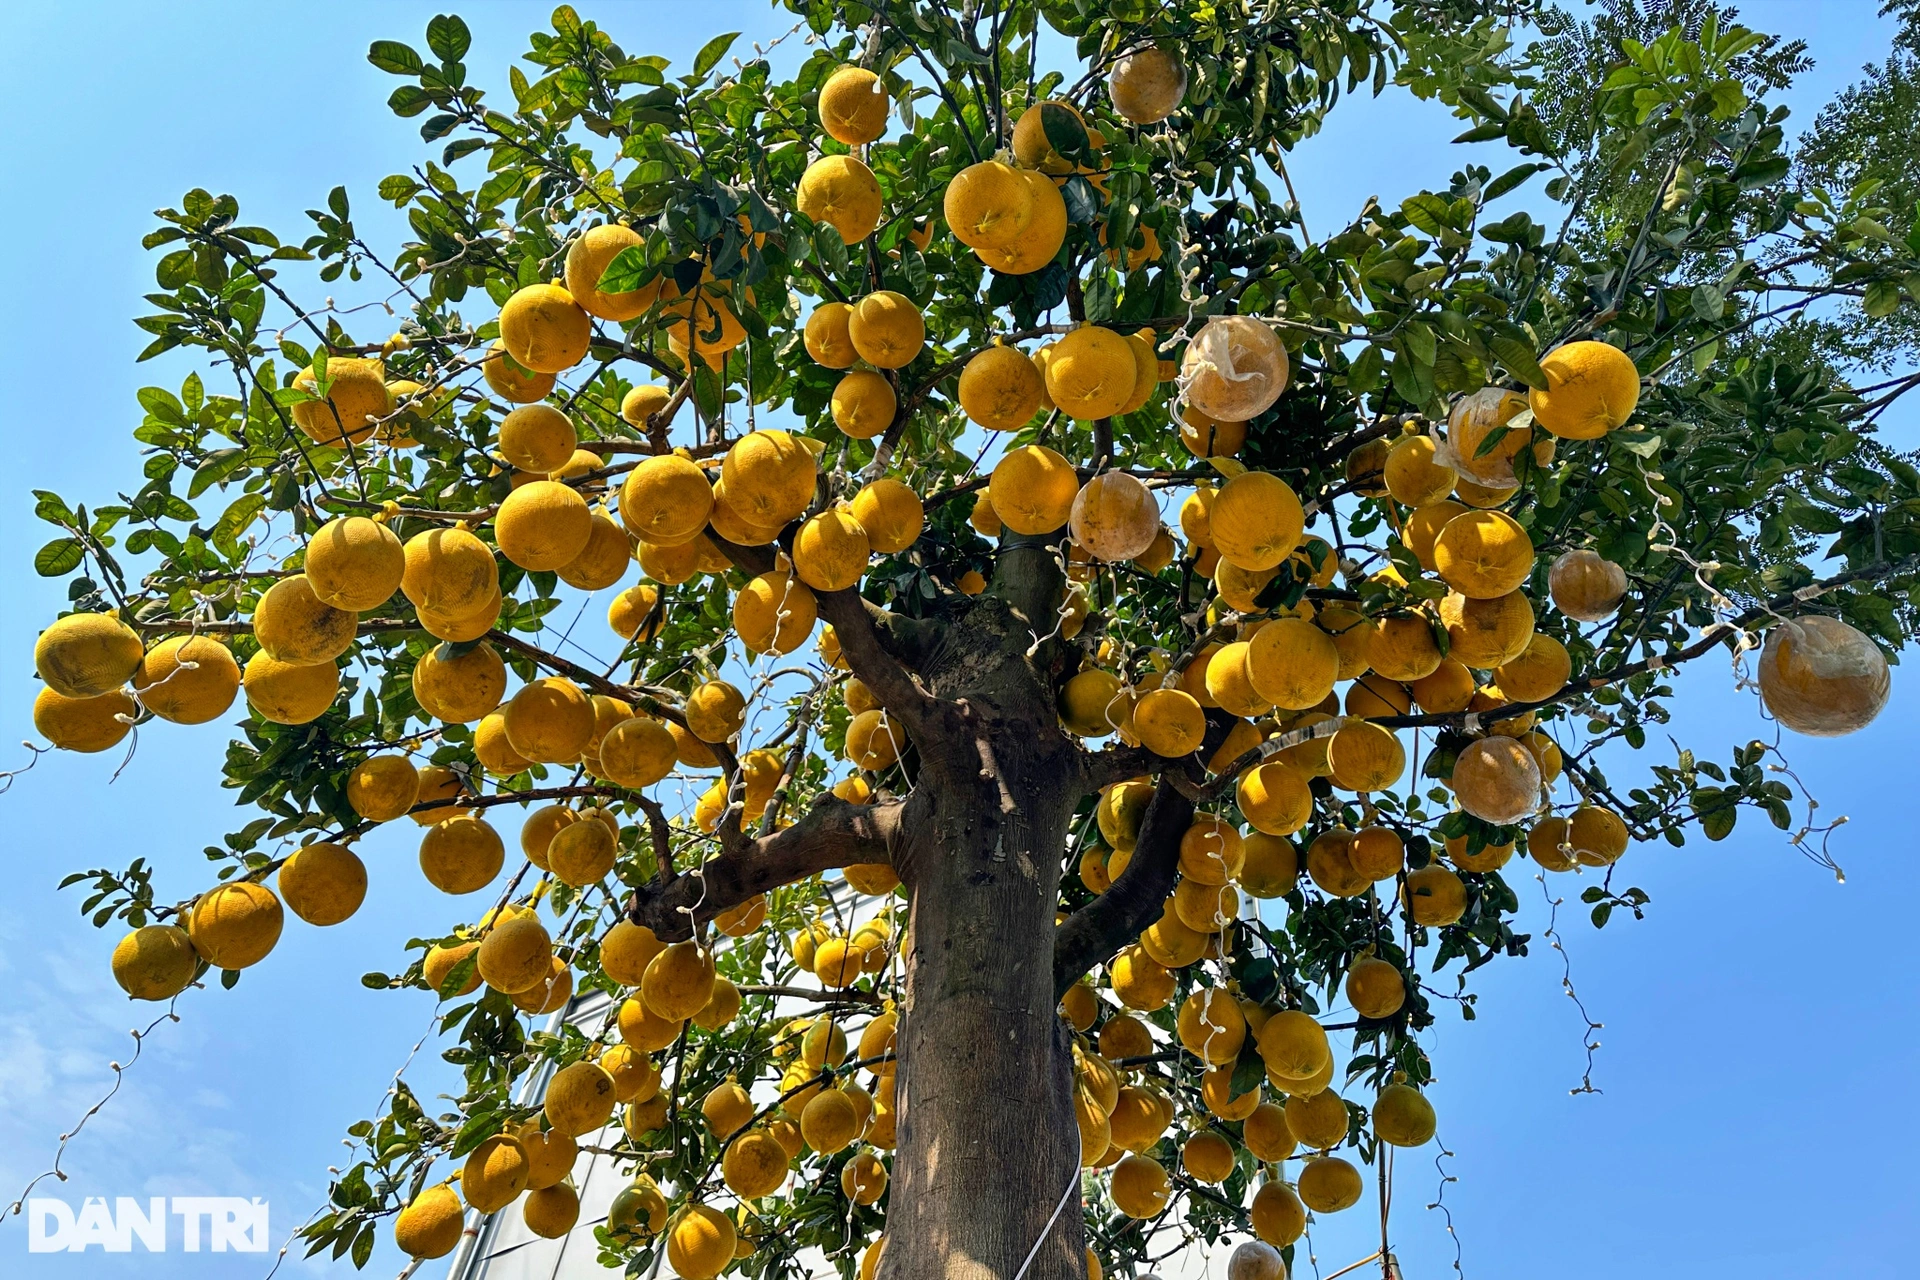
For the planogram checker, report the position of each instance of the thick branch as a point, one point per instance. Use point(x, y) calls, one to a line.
point(1135, 900)
point(831, 834)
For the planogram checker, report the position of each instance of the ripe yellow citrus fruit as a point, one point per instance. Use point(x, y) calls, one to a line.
point(461, 854)
point(85, 724)
point(1414, 475)
point(516, 954)
point(831, 550)
point(155, 962)
point(1586, 586)
point(495, 1173)
point(1139, 1187)
point(587, 260)
point(1032, 489)
point(356, 399)
point(431, 1224)
point(236, 924)
point(679, 981)
point(769, 477)
point(1270, 865)
point(1434, 895)
point(1485, 633)
point(1255, 520)
point(1001, 389)
point(1169, 722)
point(1329, 1184)
point(887, 330)
point(84, 655)
point(826, 336)
point(538, 438)
point(1403, 1117)
point(323, 883)
point(579, 1099)
point(1294, 1046)
point(1277, 1216)
point(988, 205)
point(1822, 677)
point(1592, 388)
point(1483, 554)
point(1375, 988)
point(843, 193)
point(1091, 373)
point(459, 689)
point(1114, 517)
point(1317, 1121)
point(190, 679)
point(544, 329)
point(512, 381)
point(354, 563)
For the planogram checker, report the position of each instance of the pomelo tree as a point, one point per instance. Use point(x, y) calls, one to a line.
point(1173, 628)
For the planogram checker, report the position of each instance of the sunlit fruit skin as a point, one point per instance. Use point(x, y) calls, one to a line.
point(84, 655)
point(1592, 388)
point(83, 724)
point(842, 192)
point(155, 962)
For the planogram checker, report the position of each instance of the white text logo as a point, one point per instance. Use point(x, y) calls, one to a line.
point(217, 1223)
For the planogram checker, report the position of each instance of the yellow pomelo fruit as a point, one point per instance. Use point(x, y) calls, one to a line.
point(1402, 647)
point(1270, 865)
point(1423, 527)
point(1032, 489)
point(356, 399)
point(1591, 837)
point(769, 477)
point(449, 572)
point(440, 962)
point(1265, 1133)
point(1538, 672)
point(1375, 988)
point(514, 382)
point(1001, 389)
point(641, 403)
point(431, 1224)
point(354, 563)
point(647, 1032)
point(1216, 1091)
point(1146, 86)
point(579, 1099)
point(1240, 588)
point(1091, 373)
point(1088, 703)
point(1139, 1187)
point(988, 205)
point(462, 628)
point(863, 1179)
point(1317, 1121)
point(289, 694)
point(843, 193)
point(1486, 633)
point(517, 954)
point(1139, 981)
point(1277, 1216)
point(1169, 722)
point(1255, 520)
point(1472, 420)
point(1274, 798)
point(550, 1212)
point(633, 615)
point(1592, 388)
point(826, 337)
point(1294, 1046)
point(1377, 853)
point(439, 789)
point(1586, 586)
point(459, 689)
point(863, 404)
point(236, 924)
point(854, 106)
point(587, 260)
point(1206, 438)
point(581, 853)
point(1120, 810)
point(1351, 632)
point(637, 752)
point(1234, 368)
point(544, 329)
point(550, 995)
point(1820, 676)
point(1329, 1184)
point(294, 625)
point(831, 550)
point(1211, 850)
point(829, 1121)
point(461, 854)
point(774, 614)
point(1448, 687)
point(891, 513)
point(1403, 1117)
point(666, 500)
point(1293, 664)
point(189, 679)
point(1483, 554)
point(755, 1165)
point(1330, 864)
point(626, 952)
point(1434, 895)
point(1414, 475)
point(495, 1173)
point(715, 711)
point(1114, 517)
point(1038, 242)
point(550, 720)
point(84, 655)
point(604, 560)
point(1080, 1007)
point(537, 438)
point(155, 962)
point(1033, 146)
point(1211, 1026)
point(543, 526)
point(1366, 757)
point(886, 329)
point(1227, 682)
point(323, 883)
point(493, 749)
point(678, 981)
point(1124, 1036)
point(874, 742)
point(84, 724)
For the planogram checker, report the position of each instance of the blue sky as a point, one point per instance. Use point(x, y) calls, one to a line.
point(1757, 998)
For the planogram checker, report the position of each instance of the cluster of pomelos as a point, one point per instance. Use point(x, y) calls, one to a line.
point(1470, 647)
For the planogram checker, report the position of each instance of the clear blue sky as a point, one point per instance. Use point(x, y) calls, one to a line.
point(1758, 1023)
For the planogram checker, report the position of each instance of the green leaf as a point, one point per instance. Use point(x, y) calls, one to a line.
point(61, 556)
point(448, 37)
point(1516, 353)
point(1883, 296)
point(1511, 179)
point(630, 269)
point(392, 56)
point(711, 52)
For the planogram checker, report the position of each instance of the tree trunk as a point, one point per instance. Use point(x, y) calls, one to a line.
point(987, 1145)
